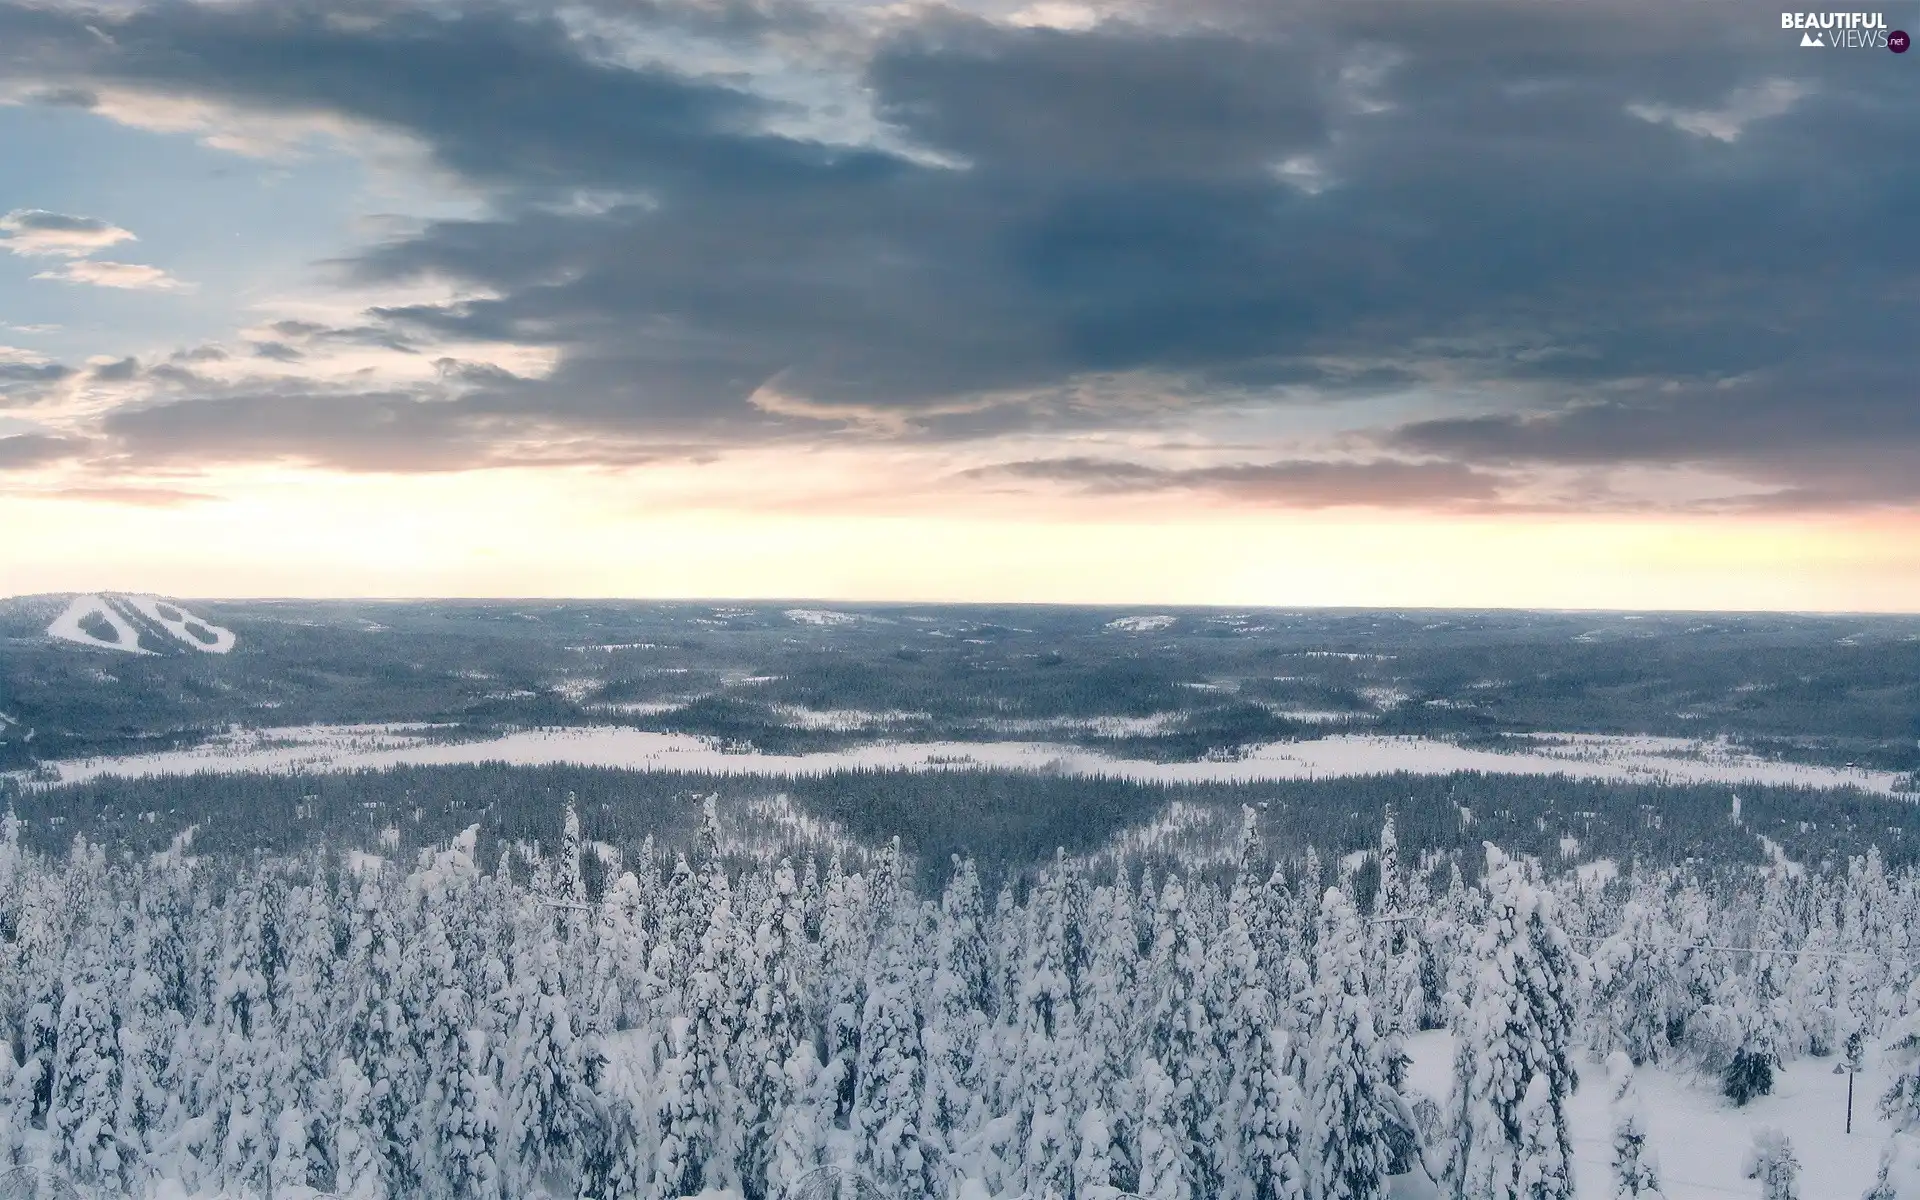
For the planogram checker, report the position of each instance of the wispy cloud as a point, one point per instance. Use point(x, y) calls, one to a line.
point(33, 231)
point(136, 277)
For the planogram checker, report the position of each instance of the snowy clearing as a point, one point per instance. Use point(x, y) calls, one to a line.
point(820, 616)
point(341, 748)
point(843, 720)
point(66, 626)
point(187, 629)
point(1152, 725)
point(1142, 624)
point(1699, 1135)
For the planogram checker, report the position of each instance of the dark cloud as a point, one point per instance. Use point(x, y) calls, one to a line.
point(1104, 106)
point(32, 372)
point(1664, 232)
point(355, 431)
point(118, 371)
point(1292, 484)
point(277, 352)
point(23, 450)
point(41, 221)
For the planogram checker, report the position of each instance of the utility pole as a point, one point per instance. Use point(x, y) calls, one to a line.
point(1851, 1066)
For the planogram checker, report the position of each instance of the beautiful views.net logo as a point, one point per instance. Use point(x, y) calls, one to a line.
point(1845, 31)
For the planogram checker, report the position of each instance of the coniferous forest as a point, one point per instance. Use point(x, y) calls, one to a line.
point(574, 1021)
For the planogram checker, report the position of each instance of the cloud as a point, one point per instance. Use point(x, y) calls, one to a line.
point(127, 276)
point(1301, 483)
point(26, 450)
point(1773, 98)
point(428, 430)
point(1599, 219)
point(139, 497)
point(32, 231)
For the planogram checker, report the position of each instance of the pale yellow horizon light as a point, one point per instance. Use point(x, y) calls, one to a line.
point(574, 535)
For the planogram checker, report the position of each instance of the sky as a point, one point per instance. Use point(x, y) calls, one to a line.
point(1354, 302)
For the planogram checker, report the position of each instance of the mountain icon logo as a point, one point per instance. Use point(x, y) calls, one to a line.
point(1813, 39)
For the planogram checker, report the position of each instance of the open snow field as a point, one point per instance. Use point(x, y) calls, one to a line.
point(341, 748)
point(1699, 1136)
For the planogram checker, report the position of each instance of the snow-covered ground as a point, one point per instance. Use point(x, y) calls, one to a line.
point(339, 748)
point(1699, 1135)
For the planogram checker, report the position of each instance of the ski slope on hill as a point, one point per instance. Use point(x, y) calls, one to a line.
point(162, 616)
point(338, 748)
point(69, 626)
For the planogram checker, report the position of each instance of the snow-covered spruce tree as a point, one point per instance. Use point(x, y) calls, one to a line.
point(1261, 1107)
point(890, 1074)
point(378, 1040)
point(542, 1066)
point(305, 1029)
point(1636, 1170)
point(468, 1138)
point(1518, 1026)
point(357, 1151)
point(244, 1113)
point(436, 999)
point(1180, 1037)
point(1394, 974)
point(845, 942)
point(86, 1063)
point(772, 1032)
point(1901, 1102)
point(1899, 1177)
point(1045, 1026)
point(1270, 1118)
point(1627, 989)
point(1771, 1161)
point(1109, 1023)
point(1546, 1169)
point(959, 1014)
point(1347, 1093)
point(1164, 1174)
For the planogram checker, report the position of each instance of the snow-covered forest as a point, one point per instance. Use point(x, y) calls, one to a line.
point(666, 1025)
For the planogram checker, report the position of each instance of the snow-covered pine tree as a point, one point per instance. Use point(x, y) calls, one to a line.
point(1636, 1170)
point(1103, 1069)
point(1044, 1023)
point(1271, 1134)
point(1518, 1025)
point(1899, 1177)
point(1164, 1174)
point(1348, 1097)
point(1180, 1037)
point(773, 1030)
point(958, 1017)
point(84, 1119)
point(891, 1076)
point(1546, 1170)
point(357, 1151)
point(1628, 987)
point(468, 1141)
point(242, 1018)
point(1771, 1161)
point(378, 1038)
point(541, 1067)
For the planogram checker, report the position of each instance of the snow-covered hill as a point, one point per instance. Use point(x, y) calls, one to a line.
point(137, 625)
